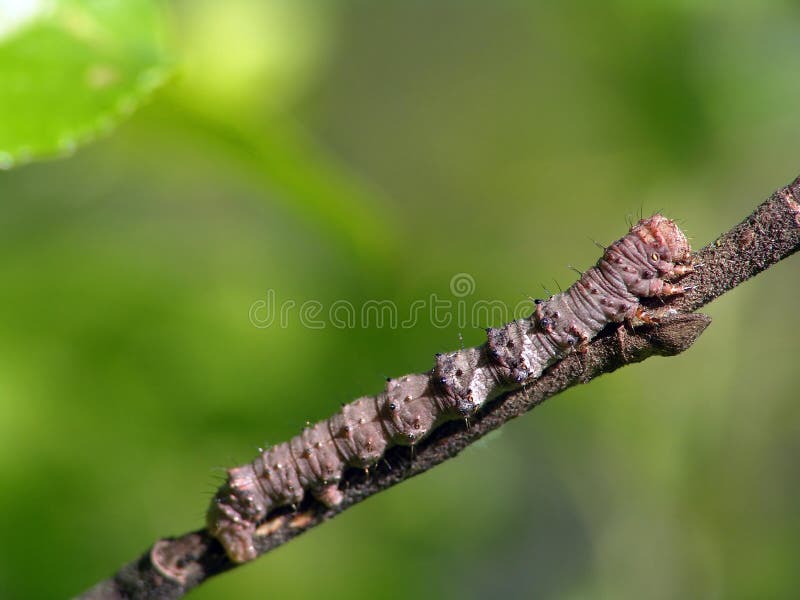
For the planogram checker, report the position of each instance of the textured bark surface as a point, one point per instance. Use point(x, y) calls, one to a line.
point(173, 566)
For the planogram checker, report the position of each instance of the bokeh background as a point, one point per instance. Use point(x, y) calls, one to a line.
point(357, 150)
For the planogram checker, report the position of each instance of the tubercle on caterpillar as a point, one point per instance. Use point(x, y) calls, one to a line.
point(642, 264)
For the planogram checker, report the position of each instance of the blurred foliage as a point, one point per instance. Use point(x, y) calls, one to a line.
point(71, 68)
point(353, 150)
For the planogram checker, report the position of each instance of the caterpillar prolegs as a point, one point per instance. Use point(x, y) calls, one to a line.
point(642, 264)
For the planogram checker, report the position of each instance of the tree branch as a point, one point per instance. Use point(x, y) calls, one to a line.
point(173, 566)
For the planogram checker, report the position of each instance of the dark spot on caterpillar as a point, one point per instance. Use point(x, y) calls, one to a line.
point(460, 383)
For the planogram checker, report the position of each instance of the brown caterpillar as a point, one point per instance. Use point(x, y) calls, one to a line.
point(640, 265)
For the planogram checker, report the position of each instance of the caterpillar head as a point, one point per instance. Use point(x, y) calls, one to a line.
point(654, 252)
point(667, 244)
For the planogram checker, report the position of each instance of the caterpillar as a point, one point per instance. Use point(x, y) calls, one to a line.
point(643, 264)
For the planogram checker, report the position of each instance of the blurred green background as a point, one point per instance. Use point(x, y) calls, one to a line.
point(371, 150)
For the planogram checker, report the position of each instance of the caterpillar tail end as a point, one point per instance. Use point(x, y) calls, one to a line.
point(234, 513)
point(234, 533)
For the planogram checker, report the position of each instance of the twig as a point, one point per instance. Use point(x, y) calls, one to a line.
point(173, 566)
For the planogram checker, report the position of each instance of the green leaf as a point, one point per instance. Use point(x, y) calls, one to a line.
point(71, 69)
